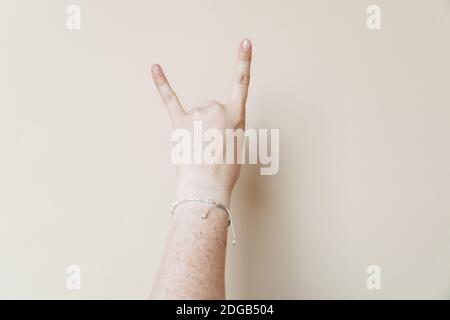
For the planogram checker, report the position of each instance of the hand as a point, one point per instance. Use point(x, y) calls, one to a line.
point(214, 181)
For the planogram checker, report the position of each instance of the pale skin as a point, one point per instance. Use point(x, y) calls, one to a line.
point(193, 263)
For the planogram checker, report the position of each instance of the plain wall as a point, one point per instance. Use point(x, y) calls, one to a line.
point(85, 171)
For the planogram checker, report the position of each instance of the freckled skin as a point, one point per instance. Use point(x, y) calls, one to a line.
point(194, 255)
point(193, 263)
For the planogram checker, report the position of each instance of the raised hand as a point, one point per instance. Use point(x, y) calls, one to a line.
point(209, 180)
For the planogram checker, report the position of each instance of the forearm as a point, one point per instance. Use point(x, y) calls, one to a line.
point(193, 264)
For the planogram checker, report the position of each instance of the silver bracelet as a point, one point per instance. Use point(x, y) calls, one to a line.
point(212, 203)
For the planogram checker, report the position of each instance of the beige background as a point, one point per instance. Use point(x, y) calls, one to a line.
point(85, 171)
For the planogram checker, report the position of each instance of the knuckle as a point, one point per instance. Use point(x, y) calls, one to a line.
point(196, 114)
point(168, 98)
point(213, 104)
point(216, 107)
point(168, 95)
point(244, 79)
point(245, 55)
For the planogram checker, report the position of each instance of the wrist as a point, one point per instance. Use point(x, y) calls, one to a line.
point(204, 189)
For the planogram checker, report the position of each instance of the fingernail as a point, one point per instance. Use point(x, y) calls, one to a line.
point(156, 68)
point(247, 45)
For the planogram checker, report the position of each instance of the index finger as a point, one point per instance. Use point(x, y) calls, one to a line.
point(166, 92)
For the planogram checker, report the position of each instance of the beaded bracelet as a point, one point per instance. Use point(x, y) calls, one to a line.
point(213, 203)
